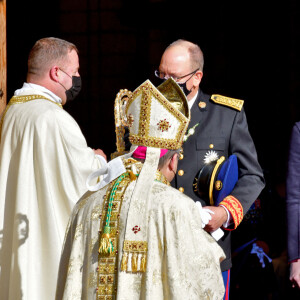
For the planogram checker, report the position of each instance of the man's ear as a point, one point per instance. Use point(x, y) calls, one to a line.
point(173, 163)
point(197, 78)
point(54, 73)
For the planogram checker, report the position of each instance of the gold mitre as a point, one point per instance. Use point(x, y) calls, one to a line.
point(158, 117)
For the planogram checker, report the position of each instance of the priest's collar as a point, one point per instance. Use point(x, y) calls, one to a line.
point(30, 88)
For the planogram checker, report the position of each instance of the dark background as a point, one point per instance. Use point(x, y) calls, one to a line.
point(250, 50)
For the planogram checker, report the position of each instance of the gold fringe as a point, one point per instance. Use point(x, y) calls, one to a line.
point(106, 245)
point(132, 176)
point(124, 261)
point(143, 263)
point(134, 260)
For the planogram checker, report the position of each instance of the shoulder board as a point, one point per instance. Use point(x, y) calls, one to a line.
point(231, 102)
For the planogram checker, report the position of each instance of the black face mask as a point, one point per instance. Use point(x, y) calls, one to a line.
point(73, 92)
point(184, 88)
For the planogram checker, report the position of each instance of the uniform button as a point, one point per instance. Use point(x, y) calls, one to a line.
point(211, 146)
point(181, 156)
point(181, 189)
point(180, 172)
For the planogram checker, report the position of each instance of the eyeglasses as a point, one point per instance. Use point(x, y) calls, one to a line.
point(163, 76)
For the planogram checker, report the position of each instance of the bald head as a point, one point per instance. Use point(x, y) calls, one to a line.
point(183, 61)
point(191, 50)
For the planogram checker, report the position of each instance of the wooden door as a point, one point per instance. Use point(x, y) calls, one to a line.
point(3, 65)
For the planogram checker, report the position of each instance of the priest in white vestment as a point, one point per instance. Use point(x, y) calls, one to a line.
point(44, 163)
point(137, 237)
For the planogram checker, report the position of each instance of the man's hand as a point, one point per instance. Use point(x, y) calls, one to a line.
point(295, 273)
point(100, 152)
point(204, 214)
point(219, 217)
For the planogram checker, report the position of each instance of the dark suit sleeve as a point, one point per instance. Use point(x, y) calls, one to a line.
point(251, 180)
point(293, 195)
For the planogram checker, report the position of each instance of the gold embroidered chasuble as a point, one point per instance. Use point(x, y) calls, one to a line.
point(44, 163)
point(182, 260)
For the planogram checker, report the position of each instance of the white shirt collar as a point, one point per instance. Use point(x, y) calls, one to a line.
point(31, 88)
point(191, 102)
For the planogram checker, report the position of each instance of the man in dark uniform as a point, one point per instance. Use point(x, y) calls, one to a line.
point(218, 128)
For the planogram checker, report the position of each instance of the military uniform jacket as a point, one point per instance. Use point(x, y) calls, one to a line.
point(222, 129)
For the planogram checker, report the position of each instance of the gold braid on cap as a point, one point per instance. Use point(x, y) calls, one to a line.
point(213, 175)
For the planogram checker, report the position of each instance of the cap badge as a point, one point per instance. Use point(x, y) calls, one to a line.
point(218, 185)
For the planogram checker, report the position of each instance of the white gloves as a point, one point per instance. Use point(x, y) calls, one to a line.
point(205, 215)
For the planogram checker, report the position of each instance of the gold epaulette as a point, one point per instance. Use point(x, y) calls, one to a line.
point(231, 102)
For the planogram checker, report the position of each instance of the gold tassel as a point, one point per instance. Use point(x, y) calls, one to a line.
point(106, 245)
point(132, 175)
point(124, 261)
point(143, 263)
point(134, 262)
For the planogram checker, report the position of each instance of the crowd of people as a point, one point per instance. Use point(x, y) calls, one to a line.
point(185, 213)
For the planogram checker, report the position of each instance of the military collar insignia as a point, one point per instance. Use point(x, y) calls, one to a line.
point(202, 105)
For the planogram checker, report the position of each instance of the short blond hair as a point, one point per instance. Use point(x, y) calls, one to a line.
point(196, 54)
point(47, 52)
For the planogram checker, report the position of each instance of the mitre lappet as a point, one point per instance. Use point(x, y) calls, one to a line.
point(158, 119)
